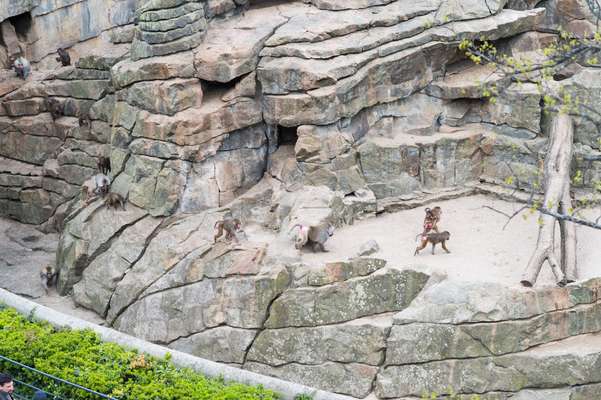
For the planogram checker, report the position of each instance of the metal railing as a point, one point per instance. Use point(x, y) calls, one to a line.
point(25, 391)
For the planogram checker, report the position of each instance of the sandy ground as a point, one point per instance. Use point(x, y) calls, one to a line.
point(480, 249)
point(24, 251)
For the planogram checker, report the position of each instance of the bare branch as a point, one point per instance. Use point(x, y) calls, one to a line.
point(570, 218)
point(509, 217)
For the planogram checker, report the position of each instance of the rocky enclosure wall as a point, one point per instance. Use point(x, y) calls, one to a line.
point(375, 98)
point(286, 112)
point(358, 327)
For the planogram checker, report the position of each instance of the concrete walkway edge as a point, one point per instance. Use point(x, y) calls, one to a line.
point(288, 390)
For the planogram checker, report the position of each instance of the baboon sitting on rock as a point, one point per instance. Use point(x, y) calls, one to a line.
point(314, 236)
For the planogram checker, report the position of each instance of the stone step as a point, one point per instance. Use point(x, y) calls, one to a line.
point(464, 80)
point(570, 362)
point(141, 49)
point(162, 35)
point(174, 23)
point(231, 47)
point(323, 91)
point(170, 13)
point(344, 56)
point(487, 337)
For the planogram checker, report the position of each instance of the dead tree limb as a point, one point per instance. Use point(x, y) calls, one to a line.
point(556, 182)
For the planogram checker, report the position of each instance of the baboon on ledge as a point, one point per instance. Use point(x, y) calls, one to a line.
point(230, 225)
point(48, 277)
point(63, 57)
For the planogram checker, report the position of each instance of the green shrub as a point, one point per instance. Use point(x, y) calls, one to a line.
point(80, 357)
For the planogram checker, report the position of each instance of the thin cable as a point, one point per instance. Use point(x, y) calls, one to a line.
point(56, 378)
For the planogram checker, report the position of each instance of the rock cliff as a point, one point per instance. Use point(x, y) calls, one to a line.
point(283, 112)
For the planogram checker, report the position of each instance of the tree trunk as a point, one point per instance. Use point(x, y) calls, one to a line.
point(557, 197)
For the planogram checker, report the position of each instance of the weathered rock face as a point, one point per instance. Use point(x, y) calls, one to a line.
point(42, 28)
point(494, 335)
point(376, 116)
point(168, 283)
point(292, 112)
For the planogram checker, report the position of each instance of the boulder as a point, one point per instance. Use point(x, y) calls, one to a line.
point(352, 379)
point(166, 97)
point(357, 341)
point(342, 271)
point(221, 344)
point(368, 248)
point(383, 291)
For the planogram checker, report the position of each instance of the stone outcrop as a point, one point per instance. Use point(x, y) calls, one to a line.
point(167, 27)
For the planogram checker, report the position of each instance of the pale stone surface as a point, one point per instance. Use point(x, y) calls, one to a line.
point(384, 291)
point(351, 379)
point(100, 278)
point(345, 343)
point(571, 363)
point(166, 97)
point(223, 344)
point(342, 271)
point(231, 48)
point(156, 68)
point(369, 248)
point(447, 302)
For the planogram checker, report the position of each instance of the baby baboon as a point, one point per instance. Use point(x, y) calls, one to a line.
point(259, 255)
point(434, 238)
point(104, 165)
point(114, 200)
point(103, 183)
point(98, 185)
point(63, 57)
point(228, 224)
point(315, 236)
point(22, 67)
point(48, 277)
point(432, 219)
point(54, 107)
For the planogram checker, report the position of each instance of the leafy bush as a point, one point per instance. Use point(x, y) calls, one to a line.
point(80, 357)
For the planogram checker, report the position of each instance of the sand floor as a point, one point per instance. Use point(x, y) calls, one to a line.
point(480, 249)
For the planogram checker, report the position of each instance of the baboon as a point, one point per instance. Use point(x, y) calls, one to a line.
point(54, 107)
point(432, 219)
point(84, 121)
point(103, 183)
point(98, 185)
point(315, 236)
point(104, 165)
point(259, 255)
point(22, 67)
point(114, 200)
point(48, 277)
point(434, 238)
point(228, 224)
point(63, 57)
